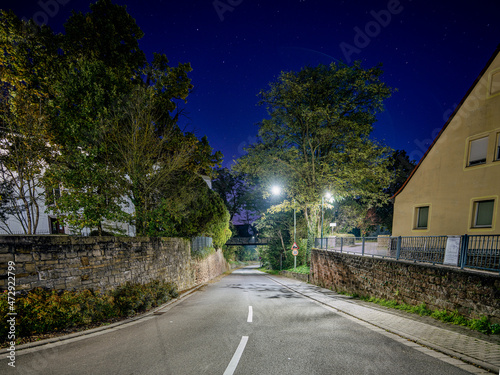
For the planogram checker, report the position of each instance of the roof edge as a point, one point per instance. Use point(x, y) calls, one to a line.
point(474, 84)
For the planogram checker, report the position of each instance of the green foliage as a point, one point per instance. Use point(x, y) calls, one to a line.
point(27, 55)
point(317, 138)
point(229, 253)
point(233, 190)
point(110, 118)
point(482, 324)
point(247, 253)
point(92, 184)
point(400, 166)
point(188, 212)
point(203, 253)
point(132, 298)
point(42, 310)
point(108, 34)
point(269, 270)
point(304, 269)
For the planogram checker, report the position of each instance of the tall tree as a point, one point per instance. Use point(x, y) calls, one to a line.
point(157, 158)
point(108, 34)
point(101, 63)
point(400, 166)
point(233, 190)
point(317, 137)
point(27, 57)
point(85, 92)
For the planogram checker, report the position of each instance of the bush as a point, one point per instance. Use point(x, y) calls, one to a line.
point(133, 298)
point(43, 310)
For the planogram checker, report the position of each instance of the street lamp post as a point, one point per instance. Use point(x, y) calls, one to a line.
point(276, 190)
point(328, 196)
point(294, 221)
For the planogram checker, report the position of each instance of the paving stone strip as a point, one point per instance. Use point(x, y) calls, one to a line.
point(477, 351)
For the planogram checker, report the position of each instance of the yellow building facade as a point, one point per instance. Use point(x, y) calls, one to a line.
point(455, 188)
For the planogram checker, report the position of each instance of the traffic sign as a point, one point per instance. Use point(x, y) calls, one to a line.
point(294, 246)
point(295, 252)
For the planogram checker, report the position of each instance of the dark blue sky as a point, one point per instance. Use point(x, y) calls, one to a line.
point(430, 51)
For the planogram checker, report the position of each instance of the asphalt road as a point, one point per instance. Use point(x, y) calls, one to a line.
point(243, 324)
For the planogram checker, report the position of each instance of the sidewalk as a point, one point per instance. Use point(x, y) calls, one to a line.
point(464, 345)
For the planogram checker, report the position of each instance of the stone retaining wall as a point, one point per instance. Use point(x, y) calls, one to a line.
point(473, 293)
point(103, 263)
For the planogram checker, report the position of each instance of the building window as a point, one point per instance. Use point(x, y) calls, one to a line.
point(55, 226)
point(422, 217)
point(483, 214)
point(477, 151)
point(495, 84)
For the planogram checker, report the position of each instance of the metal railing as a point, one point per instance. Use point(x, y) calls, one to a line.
point(481, 252)
point(476, 251)
point(353, 245)
point(419, 248)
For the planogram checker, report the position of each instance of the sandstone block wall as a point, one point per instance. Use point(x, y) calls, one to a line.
point(76, 263)
point(472, 293)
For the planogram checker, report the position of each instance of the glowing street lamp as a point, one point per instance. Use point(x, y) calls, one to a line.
point(276, 190)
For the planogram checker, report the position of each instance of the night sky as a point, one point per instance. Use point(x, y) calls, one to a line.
point(431, 52)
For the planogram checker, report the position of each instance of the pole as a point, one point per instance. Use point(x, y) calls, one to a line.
point(294, 221)
point(294, 232)
point(322, 199)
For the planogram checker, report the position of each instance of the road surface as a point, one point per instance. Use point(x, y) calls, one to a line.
point(246, 323)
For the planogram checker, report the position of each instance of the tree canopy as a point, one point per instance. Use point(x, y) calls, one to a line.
point(85, 114)
point(317, 137)
point(26, 61)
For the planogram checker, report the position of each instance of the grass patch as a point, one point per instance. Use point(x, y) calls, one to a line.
point(305, 270)
point(203, 253)
point(42, 311)
point(482, 325)
point(269, 271)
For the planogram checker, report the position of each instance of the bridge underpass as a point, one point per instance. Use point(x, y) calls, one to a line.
point(246, 241)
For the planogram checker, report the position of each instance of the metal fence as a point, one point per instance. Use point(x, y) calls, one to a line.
point(354, 245)
point(198, 244)
point(476, 251)
point(481, 252)
point(419, 248)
